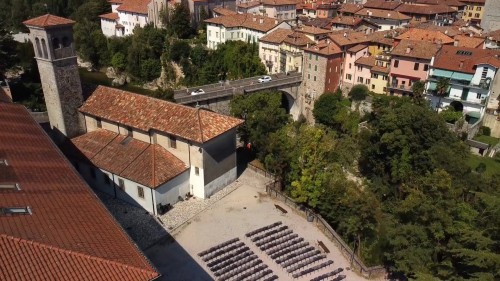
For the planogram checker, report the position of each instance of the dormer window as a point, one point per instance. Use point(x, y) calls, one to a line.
point(98, 122)
point(4, 162)
point(9, 187)
point(12, 211)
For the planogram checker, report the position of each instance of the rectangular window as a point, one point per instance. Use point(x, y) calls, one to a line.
point(98, 122)
point(216, 34)
point(360, 68)
point(9, 186)
point(10, 211)
point(384, 78)
point(484, 73)
point(416, 66)
point(478, 96)
point(374, 75)
point(172, 142)
point(316, 68)
point(106, 179)
point(210, 33)
point(426, 67)
point(348, 76)
point(314, 78)
point(396, 63)
point(373, 87)
point(316, 57)
point(310, 56)
point(350, 65)
point(367, 81)
point(309, 66)
point(478, 9)
point(121, 184)
point(197, 171)
point(476, 15)
point(308, 76)
point(140, 192)
point(360, 79)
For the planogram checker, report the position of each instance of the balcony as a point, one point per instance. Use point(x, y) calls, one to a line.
point(62, 53)
point(400, 88)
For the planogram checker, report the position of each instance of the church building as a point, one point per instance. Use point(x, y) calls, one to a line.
point(143, 150)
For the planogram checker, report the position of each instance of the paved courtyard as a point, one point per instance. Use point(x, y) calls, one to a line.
point(242, 207)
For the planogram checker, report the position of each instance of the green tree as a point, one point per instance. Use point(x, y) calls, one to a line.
point(119, 61)
point(8, 57)
point(418, 89)
point(179, 22)
point(359, 92)
point(164, 94)
point(203, 16)
point(331, 110)
point(442, 88)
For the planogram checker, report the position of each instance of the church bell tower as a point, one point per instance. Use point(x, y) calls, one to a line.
point(52, 39)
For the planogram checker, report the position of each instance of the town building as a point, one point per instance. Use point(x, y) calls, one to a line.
point(126, 15)
point(319, 10)
point(492, 40)
point(314, 33)
point(470, 73)
point(354, 23)
point(469, 41)
point(354, 74)
point(52, 225)
point(385, 19)
point(243, 27)
point(349, 9)
point(419, 34)
point(428, 13)
point(410, 61)
point(276, 9)
point(473, 12)
point(142, 150)
point(382, 4)
point(281, 50)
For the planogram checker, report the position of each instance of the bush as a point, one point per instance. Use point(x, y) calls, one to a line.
point(485, 131)
point(359, 92)
point(119, 62)
point(150, 69)
point(481, 168)
point(450, 115)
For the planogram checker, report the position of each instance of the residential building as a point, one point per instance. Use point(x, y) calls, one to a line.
point(52, 225)
point(125, 16)
point(220, 11)
point(281, 50)
point(469, 41)
point(276, 9)
point(491, 16)
point(380, 74)
point(323, 65)
point(249, 7)
point(319, 10)
point(314, 33)
point(428, 12)
point(410, 63)
point(362, 71)
point(382, 4)
point(355, 23)
point(470, 72)
point(316, 22)
point(385, 19)
point(351, 77)
point(418, 34)
point(381, 42)
point(492, 40)
point(349, 9)
point(243, 27)
point(473, 12)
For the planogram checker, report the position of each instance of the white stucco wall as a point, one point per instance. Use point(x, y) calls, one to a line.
point(108, 27)
point(169, 192)
point(130, 20)
point(479, 70)
point(220, 182)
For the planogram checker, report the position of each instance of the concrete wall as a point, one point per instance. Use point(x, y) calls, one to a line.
point(169, 192)
point(108, 27)
point(131, 20)
point(489, 74)
point(491, 16)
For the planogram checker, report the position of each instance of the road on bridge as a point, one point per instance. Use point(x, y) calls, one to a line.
point(229, 88)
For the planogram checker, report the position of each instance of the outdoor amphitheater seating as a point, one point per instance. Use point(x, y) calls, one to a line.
point(312, 269)
point(295, 254)
point(222, 251)
point(274, 237)
point(267, 227)
point(228, 257)
point(222, 245)
point(288, 249)
point(272, 278)
point(305, 263)
point(266, 234)
point(338, 278)
point(298, 259)
point(283, 247)
point(330, 274)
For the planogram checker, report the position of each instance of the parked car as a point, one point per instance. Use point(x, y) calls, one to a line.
point(264, 79)
point(197, 92)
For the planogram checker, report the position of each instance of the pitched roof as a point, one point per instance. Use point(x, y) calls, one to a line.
point(255, 22)
point(366, 61)
point(357, 48)
point(134, 6)
point(279, 2)
point(346, 38)
point(350, 8)
point(281, 35)
point(48, 20)
point(417, 49)
point(454, 3)
point(223, 11)
point(450, 31)
point(382, 4)
point(474, 1)
point(69, 235)
point(468, 41)
point(324, 48)
point(110, 16)
point(383, 14)
point(383, 37)
point(317, 22)
point(146, 113)
point(347, 20)
point(249, 4)
point(147, 164)
point(464, 59)
point(312, 30)
point(381, 69)
point(425, 10)
point(433, 36)
point(494, 35)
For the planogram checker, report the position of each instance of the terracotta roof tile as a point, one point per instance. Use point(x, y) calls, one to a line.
point(48, 21)
point(279, 2)
point(249, 4)
point(288, 36)
point(223, 11)
point(425, 10)
point(312, 30)
point(347, 20)
point(469, 42)
point(134, 6)
point(474, 1)
point(350, 8)
point(346, 38)
point(146, 113)
point(432, 36)
point(69, 235)
point(454, 3)
point(324, 48)
point(382, 14)
point(418, 49)
point(453, 58)
point(450, 31)
point(146, 164)
point(110, 16)
point(318, 22)
point(246, 20)
point(494, 35)
point(366, 61)
point(357, 48)
point(382, 4)
point(381, 69)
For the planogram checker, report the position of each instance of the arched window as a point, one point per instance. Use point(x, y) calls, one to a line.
point(44, 49)
point(55, 43)
point(38, 48)
point(65, 42)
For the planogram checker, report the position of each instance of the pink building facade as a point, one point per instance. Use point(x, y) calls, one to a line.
point(350, 77)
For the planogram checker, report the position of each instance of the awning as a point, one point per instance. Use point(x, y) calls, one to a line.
point(442, 73)
point(432, 86)
point(461, 76)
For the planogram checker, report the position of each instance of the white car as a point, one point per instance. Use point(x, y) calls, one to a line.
point(197, 92)
point(264, 79)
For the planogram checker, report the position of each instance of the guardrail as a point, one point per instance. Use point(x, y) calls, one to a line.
point(229, 91)
point(347, 252)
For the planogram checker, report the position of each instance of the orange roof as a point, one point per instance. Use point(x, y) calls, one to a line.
point(69, 234)
point(146, 113)
point(474, 1)
point(350, 8)
point(280, 2)
point(281, 35)
point(357, 48)
point(464, 59)
point(48, 21)
point(381, 4)
point(110, 16)
point(425, 10)
point(383, 14)
point(469, 42)
point(433, 36)
point(324, 48)
point(347, 20)
point(415, 49)
point(147, 164)
point(381, 69)
point(494, 35)
point(250, 4)
point(312, 30)
point(223, 11)
point(346, 38)
point(134, 6)
point(246, 20)
point(366, 61)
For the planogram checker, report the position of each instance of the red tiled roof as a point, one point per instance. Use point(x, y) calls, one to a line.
point(357, 48)
point(110, 16)
point(450, 58)
point(134, 6)
point(347, 20)
point(246, 20)
point(250, 4)
point(381, 69)
point(324, 48)
point(312, 30)
point(433, 36)
point(382, 4)
point(350, 8)
point(48, 20)
point(383, 14)
point(366, 61)
point(425, 10)
point(494, 35)
point(146, 113)
point(474, 1)
point(279, 2)
point(223, 11)
point(281, 35)
point(69, 235)
point(468, 41)
point(418, 49)
point(146, 164)
point(346, 38)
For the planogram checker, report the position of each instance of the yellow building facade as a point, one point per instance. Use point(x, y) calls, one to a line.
point(380, 74)
point(474, 10)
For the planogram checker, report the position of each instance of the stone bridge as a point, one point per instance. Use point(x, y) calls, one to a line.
point(217, 96)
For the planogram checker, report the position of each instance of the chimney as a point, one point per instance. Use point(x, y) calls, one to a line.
point(261, 20)
point(446, 32)
point(345, 34)
point(471, 35)
point(254, 19)
point(408, 49)
point(275, 21)
point(455, 43)
point(461, 64)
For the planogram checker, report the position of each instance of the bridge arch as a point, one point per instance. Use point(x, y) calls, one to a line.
point(289, 102)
